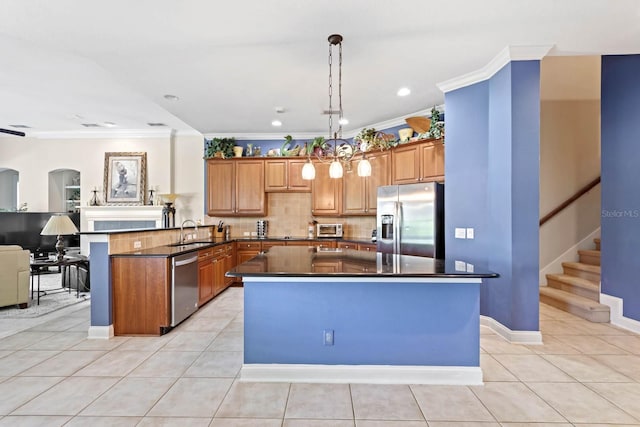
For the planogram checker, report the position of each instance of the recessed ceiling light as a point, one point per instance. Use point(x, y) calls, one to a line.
point(343, 121)
point(276, 123)
point(170, 97)
point(109, 124)
point(404, 91)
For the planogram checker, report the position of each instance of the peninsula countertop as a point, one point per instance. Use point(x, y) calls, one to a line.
point(287, 261)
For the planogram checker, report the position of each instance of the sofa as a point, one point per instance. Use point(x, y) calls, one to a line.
point(14, 276)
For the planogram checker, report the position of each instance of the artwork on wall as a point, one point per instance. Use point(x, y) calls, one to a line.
point(125, 178)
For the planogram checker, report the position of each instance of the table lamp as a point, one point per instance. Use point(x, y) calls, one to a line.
point(59, 225)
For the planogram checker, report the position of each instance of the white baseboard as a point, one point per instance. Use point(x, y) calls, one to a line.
point(570, 255)
point(100, 332)
point(617, 318)
point(362, 374)
point(515, 337)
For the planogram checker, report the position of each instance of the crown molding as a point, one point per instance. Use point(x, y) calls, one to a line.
point(386, 124)
point(114, 133)
point(508, 54)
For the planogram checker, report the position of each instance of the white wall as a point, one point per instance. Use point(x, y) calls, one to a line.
point(33, 158)
point(569, 151)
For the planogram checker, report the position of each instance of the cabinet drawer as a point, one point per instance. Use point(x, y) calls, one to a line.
point(249, 246)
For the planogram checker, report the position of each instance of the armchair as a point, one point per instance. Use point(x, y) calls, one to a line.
point(14, 276)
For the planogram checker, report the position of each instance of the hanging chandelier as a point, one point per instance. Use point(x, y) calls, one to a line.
point(336, 150)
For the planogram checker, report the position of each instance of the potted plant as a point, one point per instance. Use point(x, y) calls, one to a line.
point(317, 146)
point(219, 147)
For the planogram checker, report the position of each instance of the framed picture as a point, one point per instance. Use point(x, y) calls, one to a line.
point(125, 178)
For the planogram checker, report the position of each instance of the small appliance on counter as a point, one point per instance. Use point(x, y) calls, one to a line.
point(329, 230)
point(261, 228)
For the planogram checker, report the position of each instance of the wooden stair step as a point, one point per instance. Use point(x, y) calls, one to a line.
point(591, 257)
point(575, 304)
point(579, 269)
point(576, 285)
point(597, 242)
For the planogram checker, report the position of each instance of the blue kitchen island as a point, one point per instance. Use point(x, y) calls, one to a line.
point(333, 315)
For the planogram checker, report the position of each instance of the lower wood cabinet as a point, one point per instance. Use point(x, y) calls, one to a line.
point(368, 247)
point(141, 295)
point(213, 263)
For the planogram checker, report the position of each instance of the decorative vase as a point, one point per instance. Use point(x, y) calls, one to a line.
point(237, 150)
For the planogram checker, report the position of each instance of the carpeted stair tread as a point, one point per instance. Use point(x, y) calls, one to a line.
point(578, 285)
point(575, 304)
point(582, 266)
point(591, 257)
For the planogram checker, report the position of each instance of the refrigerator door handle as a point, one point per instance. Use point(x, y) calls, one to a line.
point(397, 225)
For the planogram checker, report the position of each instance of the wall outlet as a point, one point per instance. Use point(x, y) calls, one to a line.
point(246, 233)
point(254, 233)
point(461, 233)
point(328, 336)
point(137, 244)
point(470, 233)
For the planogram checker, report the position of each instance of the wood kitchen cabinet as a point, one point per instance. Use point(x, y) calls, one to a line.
point(368, 247)
point(235, 187)
point(417, 162)
point(247, 250)
point(326, 193)
point(141, 295)
point(314, 243)
point(361, 193)
point(285, 175)
point(206, 276)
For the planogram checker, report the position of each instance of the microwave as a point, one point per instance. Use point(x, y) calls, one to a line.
point(329, 230)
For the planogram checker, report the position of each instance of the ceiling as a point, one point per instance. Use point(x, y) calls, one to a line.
point(69, 62)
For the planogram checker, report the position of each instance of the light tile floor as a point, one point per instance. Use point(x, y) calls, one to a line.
point(50, 375)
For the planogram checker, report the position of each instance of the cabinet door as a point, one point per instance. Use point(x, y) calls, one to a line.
point(275, 175)
point(326, 193)
point(205, 281)
point(244, 256)
point(380, 176)
point(432, 160)
point(249, 188)
point(220, 187)
point(229, 263)
point(354, 192)
point(405, 167)
point(219, 283)
point(296, 183)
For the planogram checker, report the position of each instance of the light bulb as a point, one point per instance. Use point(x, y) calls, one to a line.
point(364, 168)
point(308, 171)
point(335, 170)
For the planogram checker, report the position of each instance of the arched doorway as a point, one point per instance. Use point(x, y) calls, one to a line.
point(9, 179)
point(64, 190)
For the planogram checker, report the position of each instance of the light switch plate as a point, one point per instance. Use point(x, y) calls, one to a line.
point(461, 233)
point(470, 233)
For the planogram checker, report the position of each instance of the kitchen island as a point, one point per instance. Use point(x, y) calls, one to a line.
point(332, 315)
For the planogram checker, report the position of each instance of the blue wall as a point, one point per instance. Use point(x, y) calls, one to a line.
point(100, 284)
point(620, 146)
point(492, 170)
point(374, 323)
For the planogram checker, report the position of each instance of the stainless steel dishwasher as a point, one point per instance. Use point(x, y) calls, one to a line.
point(184, 287)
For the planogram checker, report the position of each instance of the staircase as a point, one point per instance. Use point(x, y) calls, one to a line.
point(577, 290)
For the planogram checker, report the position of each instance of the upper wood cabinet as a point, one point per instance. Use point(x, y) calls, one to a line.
point(235, 188)
point(326, 193)
point(285, 175)
point(418, 162)
point(361, 193)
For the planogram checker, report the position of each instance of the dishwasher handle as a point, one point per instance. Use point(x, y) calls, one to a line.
point(181, 262)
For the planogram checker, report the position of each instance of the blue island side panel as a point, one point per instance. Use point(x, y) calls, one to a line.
point(374, 323)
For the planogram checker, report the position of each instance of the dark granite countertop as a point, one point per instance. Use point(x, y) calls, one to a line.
point(286, 261)
point(173, 250)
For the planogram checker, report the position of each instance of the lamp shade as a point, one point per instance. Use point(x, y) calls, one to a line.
point(59, 225)
point(364, 168)
point(308, 171)
point(335, 169)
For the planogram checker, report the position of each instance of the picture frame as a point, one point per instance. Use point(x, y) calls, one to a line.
point(125, 178)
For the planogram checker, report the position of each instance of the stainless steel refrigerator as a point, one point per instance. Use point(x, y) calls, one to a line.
point(411, 219)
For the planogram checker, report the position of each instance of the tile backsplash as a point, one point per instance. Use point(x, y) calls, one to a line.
point(290, 214)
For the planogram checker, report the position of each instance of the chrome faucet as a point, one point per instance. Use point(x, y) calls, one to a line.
point(182, 228)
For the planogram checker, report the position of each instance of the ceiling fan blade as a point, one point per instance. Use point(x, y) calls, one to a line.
point(12, 132)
